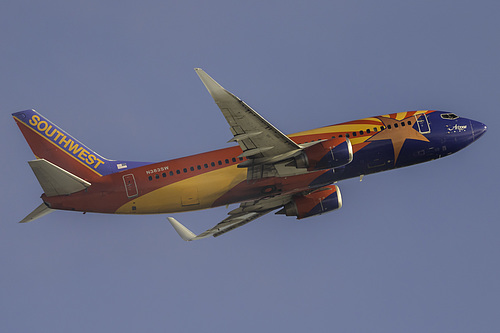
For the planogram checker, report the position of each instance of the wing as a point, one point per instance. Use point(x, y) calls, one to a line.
point(247, 212)
point(263, 144)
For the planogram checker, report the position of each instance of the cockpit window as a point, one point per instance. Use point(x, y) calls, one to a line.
point(449, 116)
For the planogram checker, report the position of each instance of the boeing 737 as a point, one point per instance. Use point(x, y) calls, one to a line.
point(266, 171)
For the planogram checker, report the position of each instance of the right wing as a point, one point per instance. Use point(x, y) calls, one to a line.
point(263, 144)
point(247, 212)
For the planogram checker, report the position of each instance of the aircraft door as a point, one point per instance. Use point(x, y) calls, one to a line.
point(423, 123)
point(130, 185)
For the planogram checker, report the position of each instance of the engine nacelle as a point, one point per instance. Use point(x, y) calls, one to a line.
point(332, 153)
point(318, 202)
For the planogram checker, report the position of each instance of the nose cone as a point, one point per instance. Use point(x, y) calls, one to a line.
point(478, 129)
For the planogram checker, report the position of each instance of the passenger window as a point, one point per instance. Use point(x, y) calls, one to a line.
point(382, 128)
point(403, 123)
point(178, 172)
point(333, 136)
point(354, 134)
point(205, 165)
point(185, 170)
point(171, 173)
point(347, 135)
point(396, 125)
point(389, 127)
point(227, 161)
point(150, 178)
point(157, 176)
point(375, 129)
point(409, 122)
point(198, 167)
point(164, 175)
point(219, 162)
point(233, 159)
point(368, 131)
point(191, 168)
point(361, 132)
point(340, 135)
point(212, 164)
point(241, 158)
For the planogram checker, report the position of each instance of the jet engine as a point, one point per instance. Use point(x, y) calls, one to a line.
point(318, 202)
point(328, 154)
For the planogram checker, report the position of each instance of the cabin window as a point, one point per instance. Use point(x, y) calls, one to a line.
point(219, 162)
point(205, 165)
point(340, 135)
point(409, 122)
point(233, 159)
point(347, 135)
point(368, 131)
point(150, 178)
point(191, 168)
point(185, 170)
point(403, 123)
point(333, 136)
point(171, 173)
point(164, 175)
point(178, 172)
point(382, 128)
point(396, 125)
point(241, 158)
point(157, 176)
point(361, 132)
point(354, 133)
point(389, 126)
point(375, 129)
point(227, 161)
point(198, 167)
point(212, 164)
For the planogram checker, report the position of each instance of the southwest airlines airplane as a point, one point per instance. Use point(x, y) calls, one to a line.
point(267, 171)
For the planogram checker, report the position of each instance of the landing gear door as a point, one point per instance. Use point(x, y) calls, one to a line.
point(423, 123)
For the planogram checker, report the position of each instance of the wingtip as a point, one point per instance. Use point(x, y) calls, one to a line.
point(184, 232)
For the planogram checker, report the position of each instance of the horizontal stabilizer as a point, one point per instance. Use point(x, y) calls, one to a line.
point(40, 211)
point(55, 180)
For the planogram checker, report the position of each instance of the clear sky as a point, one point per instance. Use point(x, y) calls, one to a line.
point(412, 250)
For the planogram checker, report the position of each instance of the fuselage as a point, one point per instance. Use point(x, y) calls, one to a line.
point(214, 179)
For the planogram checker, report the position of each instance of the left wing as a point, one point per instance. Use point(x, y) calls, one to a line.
point(247, 212)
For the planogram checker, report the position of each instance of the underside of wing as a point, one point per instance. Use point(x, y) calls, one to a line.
point(247, 212)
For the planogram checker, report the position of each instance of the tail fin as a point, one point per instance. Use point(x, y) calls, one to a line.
point(50, 142)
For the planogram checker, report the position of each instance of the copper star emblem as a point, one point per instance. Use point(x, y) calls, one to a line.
point(398, 133)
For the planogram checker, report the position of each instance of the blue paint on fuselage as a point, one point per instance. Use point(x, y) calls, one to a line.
point(446, 136)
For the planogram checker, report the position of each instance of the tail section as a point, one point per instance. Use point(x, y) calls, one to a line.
point(56, 181)
point(50, 142)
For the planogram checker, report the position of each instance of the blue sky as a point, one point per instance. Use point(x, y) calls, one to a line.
point(412, 250)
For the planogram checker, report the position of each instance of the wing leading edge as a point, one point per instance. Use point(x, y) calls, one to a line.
point(263, 144)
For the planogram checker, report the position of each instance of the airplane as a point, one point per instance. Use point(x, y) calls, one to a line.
point(267, 171)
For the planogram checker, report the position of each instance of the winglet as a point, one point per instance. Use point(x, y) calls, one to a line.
point(184, 232)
